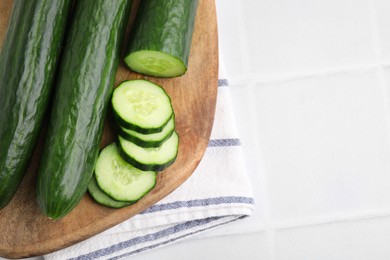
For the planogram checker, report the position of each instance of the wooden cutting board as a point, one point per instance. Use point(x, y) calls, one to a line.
point(25, 231)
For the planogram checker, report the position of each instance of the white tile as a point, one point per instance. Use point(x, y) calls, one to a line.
point(325, 145)
point(382, 10)
point(243, 103)
point(288, 36)
point(358, 240)
point(247, 246)
point(386, 72)
point(232, 48)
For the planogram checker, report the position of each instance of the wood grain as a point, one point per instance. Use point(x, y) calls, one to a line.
point(26, 232)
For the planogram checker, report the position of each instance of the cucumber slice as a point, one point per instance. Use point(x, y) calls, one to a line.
point(102, 198)
point(120, 180)
point(161, 37)
point(150, 159)
point(155, 63)
point(141, 106)
point(149, 140)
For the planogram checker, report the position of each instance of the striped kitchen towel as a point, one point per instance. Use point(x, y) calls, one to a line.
point(217, 193)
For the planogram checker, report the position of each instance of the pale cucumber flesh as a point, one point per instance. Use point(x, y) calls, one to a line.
point(142, 106)
point(155, 63)
point(120, 180)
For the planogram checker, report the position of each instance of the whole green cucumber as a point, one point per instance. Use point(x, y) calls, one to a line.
point(28, 62)
point(161, 37)
point(85, 82)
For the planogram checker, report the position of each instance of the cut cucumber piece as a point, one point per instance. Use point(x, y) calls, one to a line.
point(141, 106)
point(120, 180)
point(155, 63)
point(150, 159)
point(102, 198)
point(149, 140)
point(160, 40)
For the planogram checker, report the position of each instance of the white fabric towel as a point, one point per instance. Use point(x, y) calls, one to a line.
point(217, 193)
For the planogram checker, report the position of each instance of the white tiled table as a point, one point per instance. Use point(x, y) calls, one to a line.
point(310, 82)
point(314, 79)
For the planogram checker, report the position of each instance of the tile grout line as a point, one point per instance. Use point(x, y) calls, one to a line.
point(376, 42)
point(332, 219)
point(324, 220)
point(285, 77)
point(277, 78)
point(268, 227)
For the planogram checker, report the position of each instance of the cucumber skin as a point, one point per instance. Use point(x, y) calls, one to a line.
point(143, 166)
point(123, 123)
point(164, 26)
point(87, 73)
point(141, 142)
point(28, 62)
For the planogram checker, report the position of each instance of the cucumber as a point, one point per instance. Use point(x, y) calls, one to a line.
point(118, 179)
point(161, 37)
point(85, 83)
point(141, 106)
point(102, 198)
point(150, 159)
point(28, 62)
point(149, 140)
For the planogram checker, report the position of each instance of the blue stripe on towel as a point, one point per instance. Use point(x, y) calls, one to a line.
point(171, 230)
point(146, 238)
point(224, 142)
point(174, 239)
point(223, 83)
point(199, 203)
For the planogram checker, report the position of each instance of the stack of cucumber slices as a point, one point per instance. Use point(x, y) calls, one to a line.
point(147, 142)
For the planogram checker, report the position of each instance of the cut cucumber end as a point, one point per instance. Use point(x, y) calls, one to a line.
point(155, 63)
